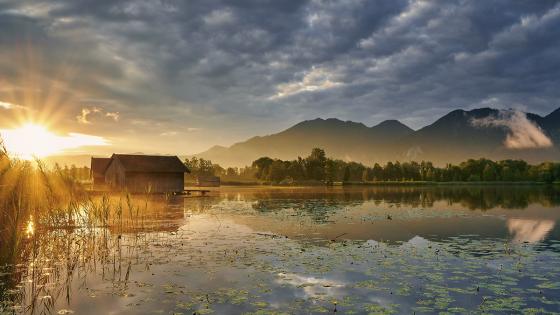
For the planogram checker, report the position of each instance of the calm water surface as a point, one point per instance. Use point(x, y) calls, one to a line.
point(379, 250)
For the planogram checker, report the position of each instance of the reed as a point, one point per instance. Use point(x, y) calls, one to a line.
point(47, 215)
point(35, 196)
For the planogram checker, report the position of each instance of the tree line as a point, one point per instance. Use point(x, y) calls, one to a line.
point(203, 167)
point(318, 167)
point(78, 173)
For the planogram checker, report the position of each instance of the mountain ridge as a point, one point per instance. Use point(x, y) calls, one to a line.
point(452, 138)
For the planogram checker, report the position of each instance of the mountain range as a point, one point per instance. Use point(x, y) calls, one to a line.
point(455, 137)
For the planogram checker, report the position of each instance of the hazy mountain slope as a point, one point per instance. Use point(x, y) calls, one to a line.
point(456, 137)
point(342, 139)
point(450, 139)
point(453, 137)
point(551, 123)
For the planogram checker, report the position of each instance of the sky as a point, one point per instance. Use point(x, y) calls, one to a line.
point(174, 76)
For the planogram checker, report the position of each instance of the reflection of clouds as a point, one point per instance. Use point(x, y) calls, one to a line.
point(526, 230)
point(418, 241)
point(311, 286)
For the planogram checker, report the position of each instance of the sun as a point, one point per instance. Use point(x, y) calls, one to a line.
point(35, 141)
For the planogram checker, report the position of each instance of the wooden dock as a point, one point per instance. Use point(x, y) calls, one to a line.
point(202, 192)
point(186, 192)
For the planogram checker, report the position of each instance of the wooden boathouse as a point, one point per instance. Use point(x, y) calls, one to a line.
point(146, 173)
point(97, 170)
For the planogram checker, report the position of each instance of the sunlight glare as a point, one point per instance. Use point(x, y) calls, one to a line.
point(30, 228)
point(31, 140)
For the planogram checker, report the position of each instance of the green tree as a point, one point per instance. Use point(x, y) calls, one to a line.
point(277, 171)
point(330, 171)
point(366, 175)
point(489, 172)
point(507, 174)
point(346, 174)
point(232, 171)
point(378, 172)
point(262, 166)
point(316, 163)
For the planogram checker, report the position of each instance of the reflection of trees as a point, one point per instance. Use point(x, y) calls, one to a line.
point(321, 203)
point(200, 204)
point(487, 197)
point(471, 197)
point(319, 210)
point(318, 205)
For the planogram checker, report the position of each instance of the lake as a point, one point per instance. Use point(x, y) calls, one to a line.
point(255, 250)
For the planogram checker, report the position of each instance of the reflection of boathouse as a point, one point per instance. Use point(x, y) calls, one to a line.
point(144, 173)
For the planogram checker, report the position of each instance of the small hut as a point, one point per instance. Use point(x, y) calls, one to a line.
point(97, 170)
point(146, 173)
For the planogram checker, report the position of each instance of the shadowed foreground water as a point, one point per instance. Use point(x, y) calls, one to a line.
point(378, 250)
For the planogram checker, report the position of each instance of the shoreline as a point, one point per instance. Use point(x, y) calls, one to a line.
point(399, 183)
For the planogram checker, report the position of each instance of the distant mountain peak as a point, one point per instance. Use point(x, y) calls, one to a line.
point(325, 123)
point(392, 123)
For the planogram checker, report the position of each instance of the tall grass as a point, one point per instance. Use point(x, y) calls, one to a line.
point(49, 198)
point(46, 215)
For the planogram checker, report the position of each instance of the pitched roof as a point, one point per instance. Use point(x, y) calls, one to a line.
point(151, 163)
point(99, 165)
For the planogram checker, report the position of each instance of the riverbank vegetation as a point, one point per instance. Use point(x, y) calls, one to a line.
point(317, 168)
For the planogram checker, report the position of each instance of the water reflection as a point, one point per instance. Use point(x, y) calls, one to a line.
point(396, 214)
point(30, 227)
point(311, 250)
point(530, 231)
point(469, 197)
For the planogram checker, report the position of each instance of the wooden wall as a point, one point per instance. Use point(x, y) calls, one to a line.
point(115, 175)
point(155, 182)
point(137, 182)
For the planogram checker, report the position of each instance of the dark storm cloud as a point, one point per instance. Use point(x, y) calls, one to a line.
point(249, 65)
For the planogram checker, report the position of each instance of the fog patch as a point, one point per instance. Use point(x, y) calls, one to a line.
point(522, 133)
point(414, 152)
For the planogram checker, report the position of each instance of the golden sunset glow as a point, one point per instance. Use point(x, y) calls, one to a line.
point(32, 140)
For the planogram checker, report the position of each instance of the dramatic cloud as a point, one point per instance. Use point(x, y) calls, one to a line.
point(523, 133)
point(315, 80)
point(86, 113)
point(6, 105)
point(113, 115)
point(83, 118)
point(242, 68)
